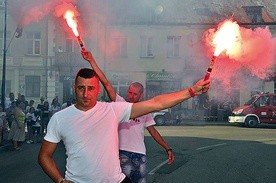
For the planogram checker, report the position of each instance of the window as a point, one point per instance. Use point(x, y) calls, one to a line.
point(121, 86)
point(173, 44)
point(146, 46)
point(33, 43)
point(264, 100)
point(119, 47)
point(2, 4)
point(157, 87)
point(254, 13)
point(71, 45)
point(32, 84)
point(8, 37)
point(257, 103)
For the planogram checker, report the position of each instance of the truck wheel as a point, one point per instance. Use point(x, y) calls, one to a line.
point(251, 122)
point(159, 120)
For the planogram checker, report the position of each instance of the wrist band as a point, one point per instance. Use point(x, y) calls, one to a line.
point(62, 181)
point(191, 92)
point(170, 149)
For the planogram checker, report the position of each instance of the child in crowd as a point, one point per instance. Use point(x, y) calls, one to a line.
point(33, 125)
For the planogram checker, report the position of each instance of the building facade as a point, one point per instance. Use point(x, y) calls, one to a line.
point(157, 44)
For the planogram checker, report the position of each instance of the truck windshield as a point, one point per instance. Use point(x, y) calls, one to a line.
point(251, 100)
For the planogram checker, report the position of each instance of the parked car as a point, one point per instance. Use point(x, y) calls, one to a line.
point(162, 117)
point(261, 108)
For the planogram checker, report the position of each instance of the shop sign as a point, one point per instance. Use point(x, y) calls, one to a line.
point(160, 76)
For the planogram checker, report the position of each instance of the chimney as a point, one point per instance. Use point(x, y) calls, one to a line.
point(254, 13)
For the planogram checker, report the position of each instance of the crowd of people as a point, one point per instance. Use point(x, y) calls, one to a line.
point(218, 110)
point(25, 122)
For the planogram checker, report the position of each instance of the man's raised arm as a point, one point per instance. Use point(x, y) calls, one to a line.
point(87, 55)
point(168, 100)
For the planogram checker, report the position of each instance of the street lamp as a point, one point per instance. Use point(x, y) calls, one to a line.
point(3, 94)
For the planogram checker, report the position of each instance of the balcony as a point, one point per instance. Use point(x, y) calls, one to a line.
point(68, 63)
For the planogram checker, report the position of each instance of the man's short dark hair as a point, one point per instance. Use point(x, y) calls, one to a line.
point(86, 73)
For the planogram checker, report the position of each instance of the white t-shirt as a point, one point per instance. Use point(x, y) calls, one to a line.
point(31, 116)
point(91, 141)
point(53, 109)
point(131, 134)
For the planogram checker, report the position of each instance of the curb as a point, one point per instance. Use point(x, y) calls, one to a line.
point(203, 122)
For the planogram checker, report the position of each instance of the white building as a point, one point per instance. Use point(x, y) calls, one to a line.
point(155, 43)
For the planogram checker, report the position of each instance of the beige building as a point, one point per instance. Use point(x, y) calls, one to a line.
point(157, 44)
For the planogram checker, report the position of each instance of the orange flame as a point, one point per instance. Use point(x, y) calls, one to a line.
point(71, 21)
point(226, 37)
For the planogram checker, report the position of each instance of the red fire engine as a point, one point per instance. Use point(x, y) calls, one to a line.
point(261, 108)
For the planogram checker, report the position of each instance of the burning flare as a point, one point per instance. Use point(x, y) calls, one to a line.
point(70, 18)
point(71, 21)
point(70, 14)
point(226, 38)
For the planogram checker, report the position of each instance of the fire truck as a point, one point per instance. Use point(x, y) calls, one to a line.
point(261, 108)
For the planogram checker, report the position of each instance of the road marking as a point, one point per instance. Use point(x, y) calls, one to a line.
point(165, 162)
point(157, 167)
point(265, 140)
point(207, 147)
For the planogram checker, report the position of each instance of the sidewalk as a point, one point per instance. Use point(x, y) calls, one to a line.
point(201, 122)
point(5, 142)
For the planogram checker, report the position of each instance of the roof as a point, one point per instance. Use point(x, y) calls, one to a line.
point(190, 11)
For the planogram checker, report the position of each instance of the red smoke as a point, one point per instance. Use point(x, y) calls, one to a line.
point(70, 13)
point(255, 55)
point(29, 11)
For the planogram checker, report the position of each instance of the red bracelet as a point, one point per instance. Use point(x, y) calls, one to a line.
point(191, 92)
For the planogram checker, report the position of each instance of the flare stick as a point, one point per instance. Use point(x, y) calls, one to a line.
point(81, 43)
point(209, 70)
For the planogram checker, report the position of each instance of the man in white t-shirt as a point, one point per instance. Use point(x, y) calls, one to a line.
point(131, 133)
point(131, 139)
point(8, 102)
point(89, 131)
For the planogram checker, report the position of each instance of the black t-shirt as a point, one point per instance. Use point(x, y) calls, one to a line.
point(39, 106)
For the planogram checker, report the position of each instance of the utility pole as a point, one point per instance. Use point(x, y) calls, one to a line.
point(3, 93)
